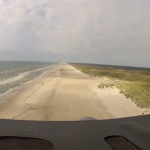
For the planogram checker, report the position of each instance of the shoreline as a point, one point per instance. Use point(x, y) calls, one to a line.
point(13, 104)
point(19, 88)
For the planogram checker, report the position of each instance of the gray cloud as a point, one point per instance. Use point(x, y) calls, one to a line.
point(106, 31)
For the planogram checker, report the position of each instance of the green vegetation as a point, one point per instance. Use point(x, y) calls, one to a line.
point(138, 91)
point(136, 87)
point(106, 85)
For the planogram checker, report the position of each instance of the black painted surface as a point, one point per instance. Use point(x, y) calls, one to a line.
point(81, 135)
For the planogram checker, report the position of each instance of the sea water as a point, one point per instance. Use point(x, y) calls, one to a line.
point(15, 74)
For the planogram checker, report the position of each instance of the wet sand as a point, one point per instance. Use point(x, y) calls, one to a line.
point(67, 94)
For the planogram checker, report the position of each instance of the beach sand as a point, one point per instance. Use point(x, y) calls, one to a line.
point(66, 94)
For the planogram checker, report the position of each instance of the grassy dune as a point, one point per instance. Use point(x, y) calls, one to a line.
point(135, 82)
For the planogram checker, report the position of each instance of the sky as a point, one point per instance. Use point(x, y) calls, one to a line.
point(115, 32)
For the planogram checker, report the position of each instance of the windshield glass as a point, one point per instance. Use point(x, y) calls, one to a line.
point(65, 60)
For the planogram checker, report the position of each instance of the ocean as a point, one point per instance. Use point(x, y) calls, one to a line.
point(16, 74)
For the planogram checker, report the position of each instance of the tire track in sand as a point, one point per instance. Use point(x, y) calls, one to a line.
point(28, 109)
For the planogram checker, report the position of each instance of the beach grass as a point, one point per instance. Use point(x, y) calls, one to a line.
point(134, 82)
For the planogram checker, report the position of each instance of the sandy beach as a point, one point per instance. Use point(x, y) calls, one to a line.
point(66, 94)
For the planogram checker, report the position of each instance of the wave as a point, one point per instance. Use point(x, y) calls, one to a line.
point(20, 69)
point(2, 82)
point(14, 89)
point(22, 75)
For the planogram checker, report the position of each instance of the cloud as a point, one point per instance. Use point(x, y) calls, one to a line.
point(105, 31)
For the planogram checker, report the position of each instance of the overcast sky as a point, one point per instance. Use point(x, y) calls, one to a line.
point(113, 32)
